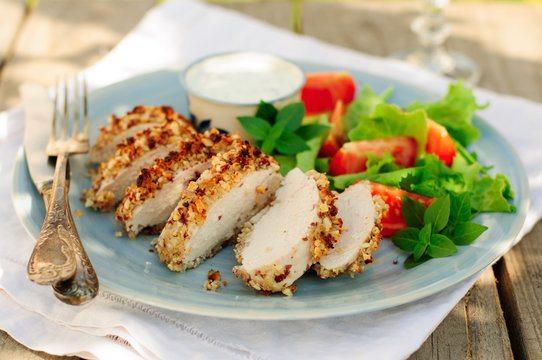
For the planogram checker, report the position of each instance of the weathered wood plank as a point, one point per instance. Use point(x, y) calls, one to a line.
point(520, 287)
point(496, 35)
point(474, 329)
point(66, 36)
point(12, 16)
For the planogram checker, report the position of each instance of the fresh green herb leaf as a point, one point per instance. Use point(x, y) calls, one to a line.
point(322, 165)
point(454, 112)
point(274, 134)
point(440, 246)
point(410, 262)
point(288, 144)
point(267, 111)
point(286, 162)
point(255, 126)
point(460, 209)
point(433, 178)
point(307, 132)
point(413, 212)
point(406, 239)
point(291, 115)
point(377, 171)
point(424, 239)
point(363, 105)
point(306, 159)
point(377, 165)
point(438, 213)
point(466, 232)
point(389, 120)
point(491, 195)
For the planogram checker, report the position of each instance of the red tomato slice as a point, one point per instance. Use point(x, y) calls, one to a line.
point(336, 137)
point(439, 142)
point(392, 219)
point(352, 157)
point(322, 90)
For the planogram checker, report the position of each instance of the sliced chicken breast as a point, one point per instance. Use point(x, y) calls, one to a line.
point(212, 209)
point(361, 214)
point(123, 167)
point(149, 202)
point(135, 121)
point(294, 232)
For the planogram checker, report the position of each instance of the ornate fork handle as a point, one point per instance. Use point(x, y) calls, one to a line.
point(53, 258)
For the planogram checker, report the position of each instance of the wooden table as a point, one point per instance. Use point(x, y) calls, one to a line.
point(501, 316)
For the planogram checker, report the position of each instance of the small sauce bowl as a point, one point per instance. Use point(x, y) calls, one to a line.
point(223, 87)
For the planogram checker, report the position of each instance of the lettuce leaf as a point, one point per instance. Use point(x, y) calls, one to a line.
point(375, 165)
point(454, 112)
point(363, 105)
point(389, 120)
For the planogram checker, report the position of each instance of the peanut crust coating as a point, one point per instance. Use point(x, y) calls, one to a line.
point(127, 155)
point(197, 149)
point(138, 118)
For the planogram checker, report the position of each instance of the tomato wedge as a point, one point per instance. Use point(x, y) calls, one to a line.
point(392, 219)
point(439, 142)
point(322, 91)
point(352, 157)
point(336, 137)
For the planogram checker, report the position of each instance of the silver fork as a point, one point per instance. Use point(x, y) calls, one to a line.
point(59, 258)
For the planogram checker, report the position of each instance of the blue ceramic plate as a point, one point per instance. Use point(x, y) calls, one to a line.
point(131, 268)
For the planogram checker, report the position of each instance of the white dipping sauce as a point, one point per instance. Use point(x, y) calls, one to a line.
point(243, 78)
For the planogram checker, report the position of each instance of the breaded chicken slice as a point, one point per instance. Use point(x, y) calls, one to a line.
point(294, 232)
point(212, 209)
point(149, 202)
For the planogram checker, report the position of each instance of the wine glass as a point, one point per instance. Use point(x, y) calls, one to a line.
point(432, 30)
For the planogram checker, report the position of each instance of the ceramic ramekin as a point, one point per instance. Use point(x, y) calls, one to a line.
point(223, 87)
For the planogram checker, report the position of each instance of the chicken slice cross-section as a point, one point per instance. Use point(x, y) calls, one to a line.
point(123, 167)
point(135, 121)
point(149, 202)
point(212, 209)
point(298, 227)
point(361, 214)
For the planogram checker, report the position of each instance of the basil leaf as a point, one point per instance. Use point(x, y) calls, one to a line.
point(291, 115)
point(267, 111)
point(287, 163)
point(307, 132)
point(413, 212)
point(460, 209)
point(410, 262)
point(406, 239)
point(289, 143)
point(466, 232)
point(269, 142)
point(438, 213)
point(424, 238)
point(440, 246)
point(256, 127)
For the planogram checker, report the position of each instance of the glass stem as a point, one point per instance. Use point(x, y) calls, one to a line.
point(296, 15)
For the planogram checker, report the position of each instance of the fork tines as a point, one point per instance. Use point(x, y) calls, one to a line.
point(71, 108)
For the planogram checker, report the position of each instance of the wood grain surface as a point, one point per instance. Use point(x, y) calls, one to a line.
point(500, 317)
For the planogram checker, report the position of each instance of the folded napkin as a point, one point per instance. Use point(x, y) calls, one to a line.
point(111, 326)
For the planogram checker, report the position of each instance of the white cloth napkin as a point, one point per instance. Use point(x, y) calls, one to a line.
point(112, 327)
